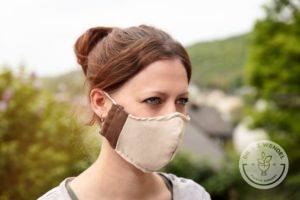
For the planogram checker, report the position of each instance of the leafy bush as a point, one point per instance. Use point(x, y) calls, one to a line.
point(273, 69)
point(39, 139)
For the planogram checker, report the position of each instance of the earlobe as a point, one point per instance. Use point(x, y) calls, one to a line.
point(102, 119)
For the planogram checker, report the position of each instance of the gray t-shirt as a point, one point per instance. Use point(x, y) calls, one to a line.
point(182, 189)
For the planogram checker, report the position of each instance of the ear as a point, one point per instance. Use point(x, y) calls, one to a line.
point(99, 102)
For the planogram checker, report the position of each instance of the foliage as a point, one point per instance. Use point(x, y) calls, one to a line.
point(273, 69)
point(39, 139)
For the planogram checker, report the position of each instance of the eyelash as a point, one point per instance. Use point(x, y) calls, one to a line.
point(186, 100)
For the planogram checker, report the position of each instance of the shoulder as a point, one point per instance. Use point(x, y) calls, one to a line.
point(184, 188)
point(54, 193)
point(57, 193)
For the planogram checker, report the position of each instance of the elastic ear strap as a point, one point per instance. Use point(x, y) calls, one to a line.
point(112, 100)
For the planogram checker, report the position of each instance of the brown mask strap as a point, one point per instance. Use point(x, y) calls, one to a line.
point(113, 124)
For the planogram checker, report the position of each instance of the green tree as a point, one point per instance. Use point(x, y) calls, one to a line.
point(40, 142)
point(273, 69)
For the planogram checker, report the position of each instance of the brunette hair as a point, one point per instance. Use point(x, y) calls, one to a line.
point(110, 56)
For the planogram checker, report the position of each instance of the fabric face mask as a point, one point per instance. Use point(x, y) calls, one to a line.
point(147, 143)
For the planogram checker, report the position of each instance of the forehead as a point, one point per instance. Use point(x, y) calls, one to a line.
point(162, 75)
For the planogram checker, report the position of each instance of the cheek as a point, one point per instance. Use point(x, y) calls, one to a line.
point(182, 109)
point(144, 109)
point(147, 110)
point(136, 107)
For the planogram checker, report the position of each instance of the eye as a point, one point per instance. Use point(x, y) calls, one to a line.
point(153, 100)
point(183, 101)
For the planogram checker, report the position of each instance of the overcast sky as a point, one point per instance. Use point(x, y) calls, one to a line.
point(41, 33)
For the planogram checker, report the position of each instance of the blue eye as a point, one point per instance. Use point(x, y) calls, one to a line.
point(183, 101)
point(153, 100)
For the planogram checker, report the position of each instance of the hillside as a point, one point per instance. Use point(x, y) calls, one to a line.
point(219, 63)
point(216, 64)
point(72, 82)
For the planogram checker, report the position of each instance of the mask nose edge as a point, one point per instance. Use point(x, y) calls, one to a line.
point(184, 117)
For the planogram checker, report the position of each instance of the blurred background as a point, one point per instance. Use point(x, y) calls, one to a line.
point(245, 87)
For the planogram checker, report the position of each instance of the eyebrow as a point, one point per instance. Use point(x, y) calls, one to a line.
point(165, 94)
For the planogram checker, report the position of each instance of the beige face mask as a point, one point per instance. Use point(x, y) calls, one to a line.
point(147, 143)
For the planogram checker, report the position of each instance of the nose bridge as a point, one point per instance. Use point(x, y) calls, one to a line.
point(170, 107)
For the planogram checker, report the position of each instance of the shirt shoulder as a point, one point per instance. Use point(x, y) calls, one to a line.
point(57, 193)
point(184, 188)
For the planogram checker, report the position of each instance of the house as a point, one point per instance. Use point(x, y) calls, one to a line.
point(206, 133)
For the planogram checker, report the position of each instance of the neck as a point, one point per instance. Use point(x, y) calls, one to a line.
point(111, 176)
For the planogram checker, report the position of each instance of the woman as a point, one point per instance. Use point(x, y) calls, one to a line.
point(138, 89)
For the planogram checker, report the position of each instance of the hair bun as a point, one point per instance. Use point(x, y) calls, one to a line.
point(86, 42)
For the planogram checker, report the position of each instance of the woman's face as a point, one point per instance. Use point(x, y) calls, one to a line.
point(160, 88)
